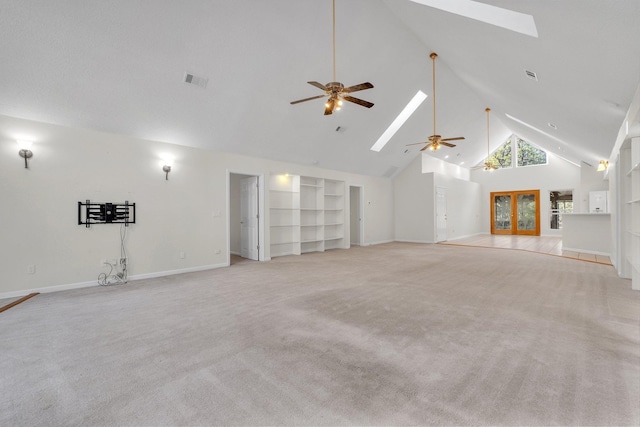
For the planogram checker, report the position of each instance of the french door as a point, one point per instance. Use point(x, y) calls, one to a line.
point(515, 212)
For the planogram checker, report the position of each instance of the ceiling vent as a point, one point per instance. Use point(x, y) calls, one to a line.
point(195, 80)
point(531, 75)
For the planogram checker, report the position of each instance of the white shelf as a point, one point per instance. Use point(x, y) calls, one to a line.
point(301, 206)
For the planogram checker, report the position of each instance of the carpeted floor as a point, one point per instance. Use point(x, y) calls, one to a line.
point(394, 334)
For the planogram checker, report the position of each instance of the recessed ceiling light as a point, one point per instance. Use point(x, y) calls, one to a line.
point(504, 18)
point(462, 163)
point(552, 126)
point(399, 121)
point(446, 157)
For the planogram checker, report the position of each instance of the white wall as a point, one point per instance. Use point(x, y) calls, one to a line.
point(432, 164)
point(414, 204)
point(39, 204)
point(464, 201)
point(590, 180)
point(557, 174)
point(414, 199)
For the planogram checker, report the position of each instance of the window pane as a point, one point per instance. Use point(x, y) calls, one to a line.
point(529, 155)
point(501, 158)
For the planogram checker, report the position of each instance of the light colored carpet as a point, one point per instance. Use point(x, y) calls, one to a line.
point(395, 334)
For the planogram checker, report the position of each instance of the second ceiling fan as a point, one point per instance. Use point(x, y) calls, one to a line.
point(336, 90)
point(436, 141)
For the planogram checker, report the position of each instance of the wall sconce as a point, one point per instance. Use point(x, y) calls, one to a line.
point(25, 151)
point(166, 167)
point(602, 166)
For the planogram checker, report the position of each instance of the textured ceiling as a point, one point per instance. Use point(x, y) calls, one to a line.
point(118, 66)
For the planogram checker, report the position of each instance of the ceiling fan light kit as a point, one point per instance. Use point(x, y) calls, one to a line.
point(336, 90)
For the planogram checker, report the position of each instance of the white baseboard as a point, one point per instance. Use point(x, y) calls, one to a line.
point(179, 271)
point(47, 289)
point(465, 236)
point(79, 285)
point(381, 242)
point(235, 253)
point(412, 241)
point(585, 251)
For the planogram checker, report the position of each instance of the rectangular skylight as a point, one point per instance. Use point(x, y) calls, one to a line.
point(505, 18)
point(399, 121)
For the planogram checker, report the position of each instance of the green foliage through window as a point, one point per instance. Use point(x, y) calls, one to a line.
point(529, 155)
point(501, 158)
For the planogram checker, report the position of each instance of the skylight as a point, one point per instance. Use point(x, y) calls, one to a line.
point(505, 18)
point(411, 107)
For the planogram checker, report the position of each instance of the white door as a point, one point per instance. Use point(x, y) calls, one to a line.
point(355, 213)
point(249, 218)
point(441, 214)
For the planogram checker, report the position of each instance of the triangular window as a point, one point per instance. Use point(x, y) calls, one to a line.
point(501, 157)
point(529, 154)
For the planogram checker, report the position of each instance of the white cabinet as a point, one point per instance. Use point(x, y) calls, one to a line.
point(307, 214)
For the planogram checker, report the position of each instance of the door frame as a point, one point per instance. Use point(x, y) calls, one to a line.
point(261, 210)
point(514, 212)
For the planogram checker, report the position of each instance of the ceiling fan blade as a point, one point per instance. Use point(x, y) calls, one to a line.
point(358, 101)
point(307, 99)
point(355, 88)
point(458, 138)
point(446, 144)
point(318, 85)
point(418, 143)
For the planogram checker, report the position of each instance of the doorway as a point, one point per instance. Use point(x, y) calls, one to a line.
point(515, 212)
point(355, 215)
point(245, 224)
point(441, 214)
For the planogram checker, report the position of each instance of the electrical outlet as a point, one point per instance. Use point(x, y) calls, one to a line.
point(218, 252)
point(31, 269)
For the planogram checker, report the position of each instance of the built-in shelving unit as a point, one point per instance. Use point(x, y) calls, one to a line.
point(311, 218)
point(307, 214)
point(631, 191)
point(333, 214)
point(284, 215)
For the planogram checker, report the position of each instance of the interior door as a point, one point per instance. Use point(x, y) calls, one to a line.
point(441, 214)
point(249, 218)
point(355, 216)
point(515, 212)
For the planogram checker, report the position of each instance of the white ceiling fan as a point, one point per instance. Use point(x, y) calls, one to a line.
point(505, 18)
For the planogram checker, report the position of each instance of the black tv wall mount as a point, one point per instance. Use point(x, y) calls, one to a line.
point(106, 213)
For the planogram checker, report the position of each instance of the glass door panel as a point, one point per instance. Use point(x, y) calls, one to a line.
point(526, 212)
point(502, 213)
point(515, 212)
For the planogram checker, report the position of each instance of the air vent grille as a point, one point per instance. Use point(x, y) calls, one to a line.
point(195, 80)
point(531, 75)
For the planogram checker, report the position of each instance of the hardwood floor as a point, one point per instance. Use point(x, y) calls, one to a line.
point(545, 245)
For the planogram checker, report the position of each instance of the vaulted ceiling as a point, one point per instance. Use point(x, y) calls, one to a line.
point(119, 66)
